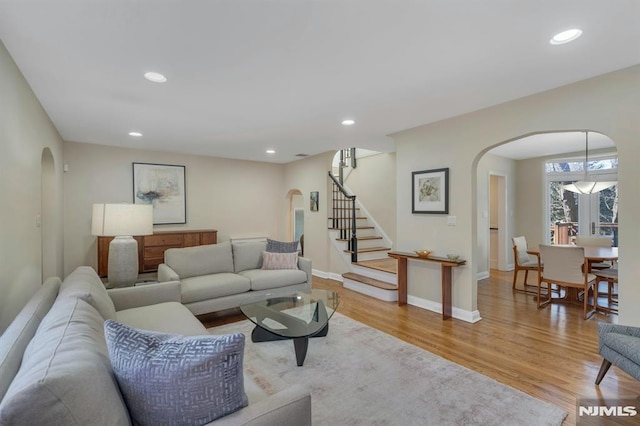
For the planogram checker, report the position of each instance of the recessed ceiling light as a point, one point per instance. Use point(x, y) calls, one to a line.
point(156, 77)
point(348, 122)
point(135, 134)
point(566, 36)
point(271, 151)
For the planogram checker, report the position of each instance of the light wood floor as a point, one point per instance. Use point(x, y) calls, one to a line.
point(551, 354)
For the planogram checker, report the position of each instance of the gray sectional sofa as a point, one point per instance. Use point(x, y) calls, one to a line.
point(55, 367)
point(222, 276)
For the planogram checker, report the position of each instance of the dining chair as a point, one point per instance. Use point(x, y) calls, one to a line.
point(611, 277)
point(523, 262)
point(588, 241)
point(566, 267)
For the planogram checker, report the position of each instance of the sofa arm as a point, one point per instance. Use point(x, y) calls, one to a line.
point(304, 264)
point(144, 295)
point(165, 273)
point(290, 406)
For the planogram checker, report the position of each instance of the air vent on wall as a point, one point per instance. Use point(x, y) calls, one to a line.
point(302, 155)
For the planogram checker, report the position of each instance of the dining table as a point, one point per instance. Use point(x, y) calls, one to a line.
point(591, 255)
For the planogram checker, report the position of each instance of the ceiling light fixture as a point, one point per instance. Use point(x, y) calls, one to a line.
point(587, 186)
point(348, 122)
point(135, 134)
point(271, 151)
point(566, 36)
point(156, 77)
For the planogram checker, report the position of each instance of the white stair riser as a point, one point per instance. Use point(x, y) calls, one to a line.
point(373, 255)
point(378, 293)
point(387, 277)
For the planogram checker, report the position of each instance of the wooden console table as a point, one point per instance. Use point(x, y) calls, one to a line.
point(446, 266)
point(151, 247)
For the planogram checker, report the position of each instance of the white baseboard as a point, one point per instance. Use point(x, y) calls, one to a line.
point(326, 275)
point(430, 305)
point(482, 275)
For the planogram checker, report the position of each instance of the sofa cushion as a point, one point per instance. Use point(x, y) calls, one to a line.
point(279, 260)
point(248, 255)
point(275, 246)
point(17, 336)
point(206, 287)
point(85, 283)
point(201, 260)
point(173, 379)
point(66, 376)
point(169, 317)
point(263, 280)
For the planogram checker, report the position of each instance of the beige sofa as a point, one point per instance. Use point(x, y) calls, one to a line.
point(54, 363)
point(222, 276)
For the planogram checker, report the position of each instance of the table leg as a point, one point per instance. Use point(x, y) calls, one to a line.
point(402, 280)
point(301, 344)
point(446, 292)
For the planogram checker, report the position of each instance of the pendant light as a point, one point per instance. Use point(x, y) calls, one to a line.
point(587, 186)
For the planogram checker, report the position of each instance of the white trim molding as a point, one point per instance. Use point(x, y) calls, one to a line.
point(430, 305)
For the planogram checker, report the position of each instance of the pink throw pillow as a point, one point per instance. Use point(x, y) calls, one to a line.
point(279, 260)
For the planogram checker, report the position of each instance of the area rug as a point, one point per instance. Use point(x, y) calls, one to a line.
point(360, 376)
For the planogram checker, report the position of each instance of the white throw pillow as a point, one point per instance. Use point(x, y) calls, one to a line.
point(279, 260)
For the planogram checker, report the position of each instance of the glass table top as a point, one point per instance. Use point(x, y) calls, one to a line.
point(293, 315)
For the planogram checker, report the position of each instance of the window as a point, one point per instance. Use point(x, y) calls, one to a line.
point(571, 214)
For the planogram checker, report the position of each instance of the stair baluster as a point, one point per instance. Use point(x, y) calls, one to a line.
point(344, 208)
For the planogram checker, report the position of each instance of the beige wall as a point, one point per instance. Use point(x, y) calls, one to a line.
point(306, 175)
point(25, 135)
point(373, 181)
point(238, 198)
point(607, 104)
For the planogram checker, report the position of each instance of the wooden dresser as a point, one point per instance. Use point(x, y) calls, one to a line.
point(151, 247)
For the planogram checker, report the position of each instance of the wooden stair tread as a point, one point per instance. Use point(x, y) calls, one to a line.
point(359, 238)
point(388, 264)
point(369, 281)
point(357, 227)
point(369, 249)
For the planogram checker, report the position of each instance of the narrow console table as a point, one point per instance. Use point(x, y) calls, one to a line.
point(446, 266)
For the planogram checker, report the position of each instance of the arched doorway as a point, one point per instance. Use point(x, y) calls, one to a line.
point(296, 215)
point(529, 168)
point(46, 218)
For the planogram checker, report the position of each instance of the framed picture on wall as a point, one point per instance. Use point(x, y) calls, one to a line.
point(314, 198)
point(430, 191)
point(163, 186)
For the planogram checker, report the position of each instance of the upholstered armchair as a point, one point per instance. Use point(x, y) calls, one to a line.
point(619, 345)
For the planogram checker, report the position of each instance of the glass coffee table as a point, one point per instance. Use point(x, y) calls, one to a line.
point(296, 316)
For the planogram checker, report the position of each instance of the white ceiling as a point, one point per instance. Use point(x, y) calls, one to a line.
point(248, 75)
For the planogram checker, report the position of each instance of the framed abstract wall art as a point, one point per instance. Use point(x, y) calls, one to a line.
point(430, 191)
point(163, 186)
point(314, 200)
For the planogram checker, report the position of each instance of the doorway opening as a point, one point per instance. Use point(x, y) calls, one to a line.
point(46, 219)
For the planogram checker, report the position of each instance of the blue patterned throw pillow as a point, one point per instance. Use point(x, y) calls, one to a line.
point(274, 246)
point(172, 379)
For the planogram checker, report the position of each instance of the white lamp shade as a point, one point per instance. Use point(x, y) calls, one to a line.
point(112, 220)
point(587, 187)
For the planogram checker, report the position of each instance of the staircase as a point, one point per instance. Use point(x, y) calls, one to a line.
point(362, 245)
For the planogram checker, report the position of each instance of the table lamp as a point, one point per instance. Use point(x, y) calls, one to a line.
point(122, 221)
